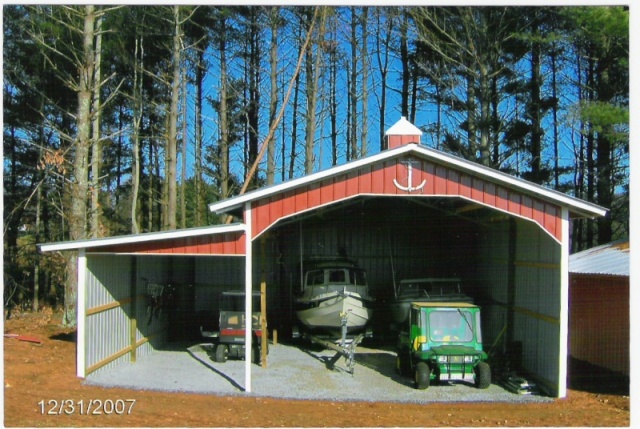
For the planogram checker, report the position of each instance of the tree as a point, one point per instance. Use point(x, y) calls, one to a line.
point(600, 35)
point(471, 42)
point(313, 70)
point(80, 23)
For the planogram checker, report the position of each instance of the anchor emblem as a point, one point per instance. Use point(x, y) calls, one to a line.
point(409, 163)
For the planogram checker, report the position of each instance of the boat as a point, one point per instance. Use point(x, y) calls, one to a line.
point(335, 296)
point(428, 289)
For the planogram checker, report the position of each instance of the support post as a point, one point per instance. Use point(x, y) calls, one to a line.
point(133, 292)
point(81, 308)
point(564, 306)
point(248, 282)
point(264, 339)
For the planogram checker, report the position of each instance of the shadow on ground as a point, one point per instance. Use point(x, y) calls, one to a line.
point(590, 378)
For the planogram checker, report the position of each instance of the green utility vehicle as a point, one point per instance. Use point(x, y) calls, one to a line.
point(443, 342)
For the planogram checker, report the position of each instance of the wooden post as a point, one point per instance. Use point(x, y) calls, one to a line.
point(134, 328)
point(263, 305)
point(133, 322)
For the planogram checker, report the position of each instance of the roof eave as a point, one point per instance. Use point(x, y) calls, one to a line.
point(139, 238)
point(225, 206)
point(576, 206)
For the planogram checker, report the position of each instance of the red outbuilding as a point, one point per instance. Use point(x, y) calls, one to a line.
point(408, 211)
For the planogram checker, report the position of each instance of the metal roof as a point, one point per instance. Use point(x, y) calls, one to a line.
point(608, 259)
point(140, 238)
point(403, 128)
point(576, 206)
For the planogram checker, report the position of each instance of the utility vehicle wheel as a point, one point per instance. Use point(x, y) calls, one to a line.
point(402, 365)
point(483, 375)
point(422, 376)
point(222, 353)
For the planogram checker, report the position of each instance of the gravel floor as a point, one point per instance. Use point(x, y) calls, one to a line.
point(292, 373)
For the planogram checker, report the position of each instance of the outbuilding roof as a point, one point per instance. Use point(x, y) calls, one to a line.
point(141, 238)
point(607, 259)
point(576, 206)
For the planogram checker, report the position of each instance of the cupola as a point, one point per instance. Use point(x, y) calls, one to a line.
point(401, 133)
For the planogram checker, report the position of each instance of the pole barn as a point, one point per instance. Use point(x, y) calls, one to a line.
point(431, 213)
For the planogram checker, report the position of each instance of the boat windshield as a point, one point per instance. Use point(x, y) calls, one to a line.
point(351, 276)
point(451, 325)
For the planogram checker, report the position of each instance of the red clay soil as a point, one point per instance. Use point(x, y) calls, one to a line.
point(41, 389)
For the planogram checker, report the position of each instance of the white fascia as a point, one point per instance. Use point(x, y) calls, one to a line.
point(577, 205)
point(236, 202)
point(140, 238)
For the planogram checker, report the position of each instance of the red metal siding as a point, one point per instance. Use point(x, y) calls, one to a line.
point(401, 140)
point(599, 320)
point(231, 243)
point(378, 179)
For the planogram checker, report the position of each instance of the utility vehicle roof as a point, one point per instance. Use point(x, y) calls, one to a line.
point(444, 304)
point(431, 279)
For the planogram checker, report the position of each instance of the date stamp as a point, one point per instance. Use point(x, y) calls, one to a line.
point(91, 407)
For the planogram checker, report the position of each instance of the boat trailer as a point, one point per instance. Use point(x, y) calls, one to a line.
point(344, 347)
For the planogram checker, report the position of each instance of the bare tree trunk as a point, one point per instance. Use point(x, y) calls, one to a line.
point(554, 95)
point(80, 184)
point(183, 176)
point(353, 87)
point(294, 125)
point(383, 66)
point(172, 140)
point(198, 138)
point(312, 96)
point(365, 81)
point(253, 72)
point(96, 150)
point(137, 117)
point(224, 125)
point(333, 94)
point(273, 104)
point(404, 56)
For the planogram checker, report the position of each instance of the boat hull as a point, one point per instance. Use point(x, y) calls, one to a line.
point(327, 315)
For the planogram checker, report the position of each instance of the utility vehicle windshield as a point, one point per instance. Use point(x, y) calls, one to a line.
point(451, 325)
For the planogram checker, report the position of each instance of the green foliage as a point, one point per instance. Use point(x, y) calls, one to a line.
point(603, 115)
point(471, 65)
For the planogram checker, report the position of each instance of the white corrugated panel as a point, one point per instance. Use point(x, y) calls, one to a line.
point(608, 259)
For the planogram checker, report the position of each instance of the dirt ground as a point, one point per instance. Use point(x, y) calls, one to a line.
point(41, 389)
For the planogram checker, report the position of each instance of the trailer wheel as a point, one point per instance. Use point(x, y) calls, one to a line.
point(422, 376)
point(483, 375)
point(222, 353)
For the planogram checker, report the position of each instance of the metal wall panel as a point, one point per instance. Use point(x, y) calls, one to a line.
point(535, 310)
point(537, 301)
point(214, 275)
point(107, 332)
point(599, 330)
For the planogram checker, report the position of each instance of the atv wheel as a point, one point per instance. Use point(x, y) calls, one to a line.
point(483, 375)
point(256, 355)
point(222, 353)
point(422, 376)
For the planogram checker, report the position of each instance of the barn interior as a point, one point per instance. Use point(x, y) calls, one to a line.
point(391, 238)
point(510, 266)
